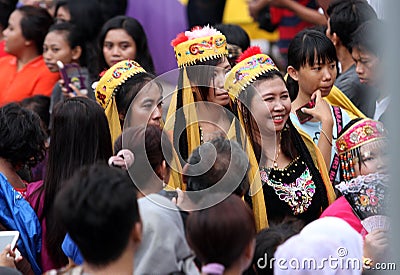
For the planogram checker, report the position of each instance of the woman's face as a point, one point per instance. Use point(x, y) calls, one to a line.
point(216, 92)
point(373, 160)
point(118, 45)
point(318, 76)
point(15, 42)
point(56, 47)
point(271, 105)
point(63, 14)
point(146, 107)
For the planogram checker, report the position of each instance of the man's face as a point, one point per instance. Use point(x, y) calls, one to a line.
point(367, 66)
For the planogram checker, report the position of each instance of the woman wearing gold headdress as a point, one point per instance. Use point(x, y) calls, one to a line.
point(292, 170)
point(127, 83)
point(199, 109)
point(130, 97)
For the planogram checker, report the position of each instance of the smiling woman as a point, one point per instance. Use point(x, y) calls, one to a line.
point(294, 182)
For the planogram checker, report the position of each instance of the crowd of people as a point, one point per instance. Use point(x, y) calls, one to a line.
point(248, 163)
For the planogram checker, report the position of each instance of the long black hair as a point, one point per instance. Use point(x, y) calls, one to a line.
point(200, 76)
point(80, 136)
point(135, 30)
point(292, 144)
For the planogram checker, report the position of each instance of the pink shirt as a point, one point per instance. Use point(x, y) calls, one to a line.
point(342, 209)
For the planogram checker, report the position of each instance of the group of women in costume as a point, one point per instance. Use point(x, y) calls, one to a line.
point(293, 165)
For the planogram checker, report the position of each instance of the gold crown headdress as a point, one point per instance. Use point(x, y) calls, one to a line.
point(199, 44)
point(251, 64)
point(107, 86)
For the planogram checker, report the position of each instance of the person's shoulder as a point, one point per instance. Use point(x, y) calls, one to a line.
point(9, 271)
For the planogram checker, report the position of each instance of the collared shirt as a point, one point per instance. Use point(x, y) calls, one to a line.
point(32, 79)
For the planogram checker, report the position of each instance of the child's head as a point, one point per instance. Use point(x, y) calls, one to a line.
point(222, 234)
point(268, 240)
point(362, 148)
point(63, 43)
point(312, 64)
point(22, 137)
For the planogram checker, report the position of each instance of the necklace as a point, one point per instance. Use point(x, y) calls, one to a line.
point(275, 160)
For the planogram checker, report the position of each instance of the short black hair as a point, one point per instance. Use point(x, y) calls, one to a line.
point(229, 157)
point(268, 240)
point(235, 35)
point(150, 146)
point(345, 16)
point(73, 36)
point(35, 24)
point(22, 139)
point(40, 104)
point(220, 233)
point(305, 48)
point(99, 209)
point(369, 37)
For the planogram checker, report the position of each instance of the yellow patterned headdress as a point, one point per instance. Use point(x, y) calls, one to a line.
point(199, 44)
point(252, 63)
point(106, 89)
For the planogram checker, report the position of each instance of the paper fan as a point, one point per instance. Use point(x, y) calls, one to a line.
point(367, 195)
point(376, 222)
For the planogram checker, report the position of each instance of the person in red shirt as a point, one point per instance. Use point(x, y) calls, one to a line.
point(23, 72)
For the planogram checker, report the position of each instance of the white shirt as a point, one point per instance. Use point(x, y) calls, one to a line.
point(381, 107)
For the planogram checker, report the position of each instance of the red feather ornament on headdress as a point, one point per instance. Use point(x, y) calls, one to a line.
point(180, 38)
point(253, 50)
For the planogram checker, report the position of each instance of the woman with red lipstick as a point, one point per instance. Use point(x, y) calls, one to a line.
point(294, 176)
point(312, 70)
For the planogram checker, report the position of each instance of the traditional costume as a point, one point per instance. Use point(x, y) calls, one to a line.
point(365, 133)
point(302, 188)
point(106, 89)
point(191, 48)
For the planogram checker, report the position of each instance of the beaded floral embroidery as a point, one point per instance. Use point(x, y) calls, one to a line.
point(367, 194)
point(297, 194)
